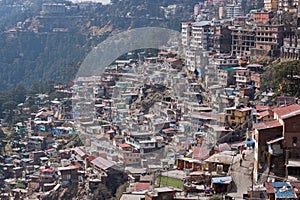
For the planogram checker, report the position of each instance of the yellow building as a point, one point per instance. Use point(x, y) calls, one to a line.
point(238, 117)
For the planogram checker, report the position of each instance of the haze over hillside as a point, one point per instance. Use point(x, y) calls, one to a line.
point(42, 44)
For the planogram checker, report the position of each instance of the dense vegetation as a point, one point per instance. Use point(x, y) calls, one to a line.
point(283, 78)
point(25, 57)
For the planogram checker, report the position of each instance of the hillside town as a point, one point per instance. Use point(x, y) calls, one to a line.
point(191, 121)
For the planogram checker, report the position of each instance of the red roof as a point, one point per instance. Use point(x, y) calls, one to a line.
point(297, 186)
point(90, 158)
point(267, 125)
point(124, 145)
point(265, 113)
point(201, 153)
point(142, 186)
point(48, 170)
point(288, 111)
point(163, 53)
point(172, 59)
point(76, 164)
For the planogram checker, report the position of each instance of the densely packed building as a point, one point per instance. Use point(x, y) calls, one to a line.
point(171, 127)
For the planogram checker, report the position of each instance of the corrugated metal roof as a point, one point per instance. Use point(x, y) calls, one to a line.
point(284, 193)
point(222, 180)
point(267, 125)
point(201, 23)
point(288, 111)
point(102, 163)
point(280, 184)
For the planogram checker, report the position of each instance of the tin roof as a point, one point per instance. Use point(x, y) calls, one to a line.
point(288, 111)
point(102, 163)
point(222, 180)
point(267, 125)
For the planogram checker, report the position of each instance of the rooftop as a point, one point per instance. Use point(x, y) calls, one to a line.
point(220, 158)
point(288, 111)
point(201, 23)
point(102, 163)
point(267, 125)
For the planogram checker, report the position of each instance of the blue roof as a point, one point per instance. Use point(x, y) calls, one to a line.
point(280, 184)
point(283, 190)
point(250, 142)
point(222, 180)
point(288, 193)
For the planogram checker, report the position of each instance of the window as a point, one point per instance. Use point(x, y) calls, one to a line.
point(295, 139)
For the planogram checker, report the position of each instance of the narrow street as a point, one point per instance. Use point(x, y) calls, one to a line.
point(241, 175)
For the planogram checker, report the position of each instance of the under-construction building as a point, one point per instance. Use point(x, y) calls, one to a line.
point(243, 39)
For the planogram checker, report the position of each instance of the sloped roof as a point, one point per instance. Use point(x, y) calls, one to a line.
point(79, 151)
point(265, 113)
point(288, 111)
point(220, 158)
point(284, 192)
point(267, 125)
point(142, 186)
point(222, 147)
point(102, 163)
point(201, 153)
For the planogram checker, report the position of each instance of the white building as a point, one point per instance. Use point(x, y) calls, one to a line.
point(196, 39)
point(201, 34)
point(233, 10)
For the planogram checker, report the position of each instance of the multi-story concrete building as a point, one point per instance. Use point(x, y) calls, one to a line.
point(201, 35)
point(239, 117)
point(271, 5)
point(290, 49)
point(268, 40)
point(233, 10)
point(242, 78)
point(197, 37)
point(263, 16)
point(243, 39)
point(223, 61)
point(222, 39)
point(226, 77)
point(286, 5)
point(186, 33)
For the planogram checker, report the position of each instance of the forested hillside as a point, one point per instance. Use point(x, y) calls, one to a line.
point(28, 56)
point(33, 50)
point(283, 78)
